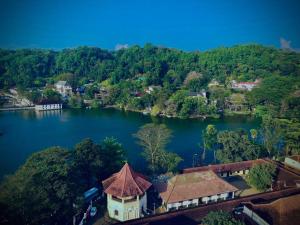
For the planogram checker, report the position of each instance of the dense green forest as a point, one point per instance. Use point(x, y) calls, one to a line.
point(177, 73)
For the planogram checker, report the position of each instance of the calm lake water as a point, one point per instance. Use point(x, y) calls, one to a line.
point(25, 132)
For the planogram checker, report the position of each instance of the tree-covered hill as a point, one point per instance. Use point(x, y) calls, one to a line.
point(178, 73)
point(158, 65)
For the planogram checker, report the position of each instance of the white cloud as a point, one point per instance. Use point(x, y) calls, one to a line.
point(121, 46)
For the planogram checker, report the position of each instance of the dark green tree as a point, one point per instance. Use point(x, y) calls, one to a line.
point(220, 218)
point(261, 176)
point(42, 191)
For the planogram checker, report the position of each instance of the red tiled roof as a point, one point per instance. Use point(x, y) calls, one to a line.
point(228, 167)
point(126, 183)
point(193, 185)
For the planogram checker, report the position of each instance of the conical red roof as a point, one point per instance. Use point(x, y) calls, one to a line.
point(126, 183)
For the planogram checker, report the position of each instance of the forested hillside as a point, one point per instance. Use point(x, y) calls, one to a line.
point(136, 68)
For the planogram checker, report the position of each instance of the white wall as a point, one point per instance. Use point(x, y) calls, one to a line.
point(126, 210)
point(254, 216)
point(292, 163)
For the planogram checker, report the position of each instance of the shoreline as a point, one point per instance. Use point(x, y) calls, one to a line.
point(143, 112)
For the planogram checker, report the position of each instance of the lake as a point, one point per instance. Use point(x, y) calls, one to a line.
point(25, 132)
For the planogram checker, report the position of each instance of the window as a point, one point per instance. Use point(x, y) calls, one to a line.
point(116, 212)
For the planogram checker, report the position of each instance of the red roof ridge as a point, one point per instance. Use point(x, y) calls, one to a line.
point(126, 183)
point(173, 186)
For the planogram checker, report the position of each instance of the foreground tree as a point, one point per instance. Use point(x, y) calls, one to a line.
point(154, 138)
point(220, 218)
point(88, 162)
point(42, 191)
point(261, 176)
point(51, 182)
point(113, 156)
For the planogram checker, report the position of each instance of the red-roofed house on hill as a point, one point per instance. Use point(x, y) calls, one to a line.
point(126, 194)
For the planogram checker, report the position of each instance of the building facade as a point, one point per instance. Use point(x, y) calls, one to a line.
point(126, 194)
point(44, 107)
point(63, 88)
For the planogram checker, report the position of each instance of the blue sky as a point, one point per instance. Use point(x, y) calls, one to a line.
point(188, 24)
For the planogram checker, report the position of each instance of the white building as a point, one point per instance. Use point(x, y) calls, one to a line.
point(248, 86)
point(152, 88)
point(193, 189)
point(63, 88)
point(43, 107)
point(126, 194)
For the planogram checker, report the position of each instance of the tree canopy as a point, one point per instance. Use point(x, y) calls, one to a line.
point(220, 218)
point(154, 138)
point(51, 182)
point(261, 176)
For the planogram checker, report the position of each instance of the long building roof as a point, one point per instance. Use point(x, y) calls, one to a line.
point(193, 185)
point(228, 167)
point(126, 183)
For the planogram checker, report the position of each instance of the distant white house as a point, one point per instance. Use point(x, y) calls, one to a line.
point(213, 83)
point(201, 93)
point(248, 86)
point(63, 88)
point(151, 88)
point(44, 107)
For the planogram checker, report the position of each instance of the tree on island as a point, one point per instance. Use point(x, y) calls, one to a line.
point(272, 132)
point(220, 218)
point(261, 176)
point(154, 138)
point(209, 136)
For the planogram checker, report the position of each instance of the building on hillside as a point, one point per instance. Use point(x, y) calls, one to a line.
point(213, 83)
point(247, 86)
point(228, 169)
point(152, 88)
point(126, 194)
point(201, 93)
point(293, 161)
point(63, 88)
point(193, 189)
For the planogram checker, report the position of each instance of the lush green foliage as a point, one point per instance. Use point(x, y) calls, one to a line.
point(235, 146)
point(45, 189)
point(133, 69)
point(209, 136)
point(153, 138)
point(220, 218)
point(261, 176)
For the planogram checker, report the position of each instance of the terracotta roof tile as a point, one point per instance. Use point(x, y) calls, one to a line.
point(126, 183)
point(193, 185)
